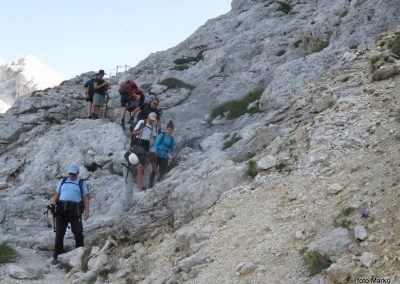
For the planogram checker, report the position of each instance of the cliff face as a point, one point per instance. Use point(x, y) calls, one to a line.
point(22, 76)
point(259, 191)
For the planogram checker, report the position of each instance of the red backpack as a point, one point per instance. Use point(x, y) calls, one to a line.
point(127, 87)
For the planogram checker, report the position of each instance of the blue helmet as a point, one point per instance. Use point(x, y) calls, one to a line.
point(73, 169)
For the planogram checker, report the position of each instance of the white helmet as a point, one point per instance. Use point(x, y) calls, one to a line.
point(133, 159)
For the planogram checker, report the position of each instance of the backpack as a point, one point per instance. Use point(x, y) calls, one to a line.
point(162, 140)
point(127, 87)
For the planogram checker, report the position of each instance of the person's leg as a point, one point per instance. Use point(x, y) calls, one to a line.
point(162, 166)
point(129, 180)
point(77, 230)
point(140, 175)
point(153, 172)
point(61, 227)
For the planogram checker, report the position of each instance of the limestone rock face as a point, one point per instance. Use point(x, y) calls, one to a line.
point(321, 136)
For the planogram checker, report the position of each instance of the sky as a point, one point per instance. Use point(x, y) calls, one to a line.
point(73, 37)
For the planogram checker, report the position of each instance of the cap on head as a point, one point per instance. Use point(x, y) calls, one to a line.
point(133, 159)
point(152, 116)
point(73, 169)
point(170, 124)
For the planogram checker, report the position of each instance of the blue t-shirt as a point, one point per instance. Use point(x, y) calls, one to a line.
point(167, 145)
point(70, 190)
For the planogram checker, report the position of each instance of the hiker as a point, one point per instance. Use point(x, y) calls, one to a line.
point(163, 146)
point(126, 91)
point(71, 200)
point(89, 92)
point(100, 92)
point(148, 108)
point(143, 132)
point(135, 104)
point(134, 166)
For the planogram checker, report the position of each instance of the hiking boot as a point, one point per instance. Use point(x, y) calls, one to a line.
point(143, 188)
point(93, 115)
point(122, 122)
point(131, 120)
point(54, 261)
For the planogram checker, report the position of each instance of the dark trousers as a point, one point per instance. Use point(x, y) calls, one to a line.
point(162, 164)
point(144, 143)
point(61, 226)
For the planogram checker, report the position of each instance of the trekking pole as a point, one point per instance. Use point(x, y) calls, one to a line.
point(105, 110)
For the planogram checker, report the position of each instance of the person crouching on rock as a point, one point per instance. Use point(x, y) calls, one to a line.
point(134, 166)
point(163, 146)
point(71, 200)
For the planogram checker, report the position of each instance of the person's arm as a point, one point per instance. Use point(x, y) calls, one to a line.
point(56, 195)
point(155, 145)
point(98, 86)
point(54, 199)
point(173, 149)
point(86, 207)
point(138, 129)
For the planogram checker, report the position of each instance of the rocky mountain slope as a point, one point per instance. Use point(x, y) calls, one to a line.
point(303, 182)
point(24, 75)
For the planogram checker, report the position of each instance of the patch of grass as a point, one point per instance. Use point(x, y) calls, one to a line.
point(107, 271)
point(7, 253)
point(343, 223)
point(251, 171)
point(231, 141)
point(50, 119)
point(346, 211)
point(318, 48)
point(281, 52)
point(303, 250)
point(236, 109)
point(394, 45)
point(190, 59)
point(181, 67)
point(384, 74)
point(174, 83)
point(297, 43)
point(285, 7)
point(250, 155)
point(316, 262)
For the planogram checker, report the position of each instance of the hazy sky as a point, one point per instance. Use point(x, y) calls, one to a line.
point(74, 36)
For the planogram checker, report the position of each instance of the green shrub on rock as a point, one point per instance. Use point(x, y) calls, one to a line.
point(7, 253)
point(235, 109)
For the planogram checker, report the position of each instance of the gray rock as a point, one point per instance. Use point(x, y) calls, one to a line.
point(245, 268)
point(267, 162)
point(186, 264)
point(360, 232)
point(368, 259)
point(18, 272)
point(72, 259)
point(333, 244)
point(318, 279)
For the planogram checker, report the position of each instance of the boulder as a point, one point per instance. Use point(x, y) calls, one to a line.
point(188, 263)
point(360, 232)
point(333, 244)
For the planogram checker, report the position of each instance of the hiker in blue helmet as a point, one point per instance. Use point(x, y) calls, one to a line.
point(163, 146)
point(71, 200)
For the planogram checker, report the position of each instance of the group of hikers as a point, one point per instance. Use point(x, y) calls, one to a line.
point(149, 145)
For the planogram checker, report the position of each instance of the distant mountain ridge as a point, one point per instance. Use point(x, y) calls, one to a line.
point(22, 76)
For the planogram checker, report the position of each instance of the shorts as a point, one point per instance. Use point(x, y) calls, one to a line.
point(142, 158)
point(99, 100)
point(90, 98)
point(125, 100)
